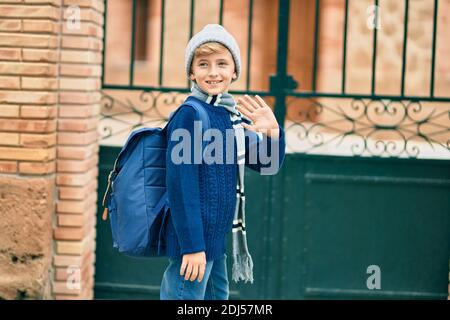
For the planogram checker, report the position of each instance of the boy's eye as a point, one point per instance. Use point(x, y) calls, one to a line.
point(203, 64)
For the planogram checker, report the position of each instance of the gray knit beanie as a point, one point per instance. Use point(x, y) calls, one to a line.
point(213, 33)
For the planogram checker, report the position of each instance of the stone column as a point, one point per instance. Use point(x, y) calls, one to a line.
point(28, 108)
point(50, 69)
point(77, 151)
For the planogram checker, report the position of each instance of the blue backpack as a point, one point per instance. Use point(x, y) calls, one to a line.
point(136, 195)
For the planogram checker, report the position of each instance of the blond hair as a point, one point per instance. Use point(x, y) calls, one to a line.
point(207, 49)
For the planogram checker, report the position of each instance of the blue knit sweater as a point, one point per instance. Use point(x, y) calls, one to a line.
point(202, 196)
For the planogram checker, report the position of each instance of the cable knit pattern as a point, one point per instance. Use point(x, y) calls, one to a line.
point(202, 197)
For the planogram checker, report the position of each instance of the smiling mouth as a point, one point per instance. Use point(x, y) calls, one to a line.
point(213, 82)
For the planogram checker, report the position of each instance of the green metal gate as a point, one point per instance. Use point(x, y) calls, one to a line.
point(321, 226)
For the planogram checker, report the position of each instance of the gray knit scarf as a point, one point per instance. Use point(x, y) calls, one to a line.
point(242, 261)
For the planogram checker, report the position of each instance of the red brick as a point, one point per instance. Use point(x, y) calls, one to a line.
point(75, 207)
point(34, 97)
point(76, 165)
point(9, 82)
point(77, 56)
point(97, 5)
point(25, 68)
point(77, 193)
point(63, 273)
point(10, 25)
point(76, 179)
point(89, 14)
point(79, 111)
point(9, 111)
point(19, 11)
point(71, 220)
point(56, 3)
point(79, 84)
point(80, 70)
point(84, 265)
point(37, 167)
point(28, 40)
point(40, 26)
point(77, 153)
point(86, 284)
point(62, 287)
point(65, 260)
point(39, 55)
point(37, 140)
point(20, 125)
point(8, 166)
point(27, 154)
point(86, 29)
point(38, 83)
point(69, 233)
point(73, 97)
point(68, 138)
point(9, 139)
point(38, 112)
point(76, 125)
point(75, 247)
point(8, 54)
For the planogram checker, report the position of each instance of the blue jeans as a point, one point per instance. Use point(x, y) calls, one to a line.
point(214, 285)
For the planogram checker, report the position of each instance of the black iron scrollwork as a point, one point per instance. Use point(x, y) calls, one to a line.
point(122, 116)
point(371, 127)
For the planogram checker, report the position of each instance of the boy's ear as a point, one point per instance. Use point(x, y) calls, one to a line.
point(234, 75)
point(191, 76)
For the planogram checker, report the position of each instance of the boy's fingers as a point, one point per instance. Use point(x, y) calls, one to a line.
point(188, 272)
point(252, 102)
point(183, 267)
point(201, 272)
point(246, 105)
point(261, 101)
point(194, 273)
point(245, 112)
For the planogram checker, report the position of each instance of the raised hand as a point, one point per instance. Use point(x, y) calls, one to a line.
point(257, 110)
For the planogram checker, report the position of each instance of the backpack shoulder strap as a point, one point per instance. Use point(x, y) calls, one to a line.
point(203, 115)
point(197, 105)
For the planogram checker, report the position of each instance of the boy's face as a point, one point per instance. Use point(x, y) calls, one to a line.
point(214, 72)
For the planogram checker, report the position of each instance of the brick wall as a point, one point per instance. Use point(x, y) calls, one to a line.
point(77, 150)
point(50, 69)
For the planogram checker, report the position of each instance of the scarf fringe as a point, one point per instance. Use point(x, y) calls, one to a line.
point(243, 268)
